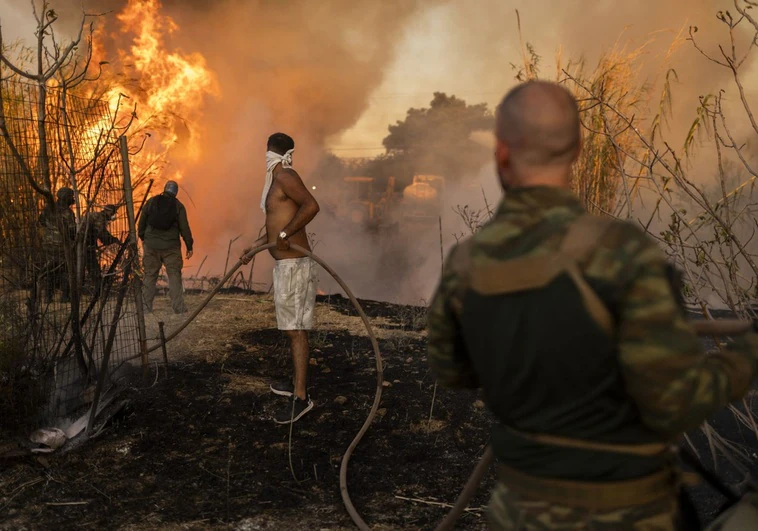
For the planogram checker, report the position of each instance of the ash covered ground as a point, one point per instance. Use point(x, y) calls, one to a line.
point(198, 450)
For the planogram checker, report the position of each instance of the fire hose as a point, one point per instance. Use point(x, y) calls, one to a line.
point(725, 327)
point(379, 365)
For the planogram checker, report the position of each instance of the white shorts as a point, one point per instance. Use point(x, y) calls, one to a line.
point(295, 282)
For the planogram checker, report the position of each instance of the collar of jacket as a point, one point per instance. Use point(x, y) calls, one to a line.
point(529, 200)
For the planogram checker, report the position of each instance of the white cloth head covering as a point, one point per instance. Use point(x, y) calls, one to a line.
point(272, 159)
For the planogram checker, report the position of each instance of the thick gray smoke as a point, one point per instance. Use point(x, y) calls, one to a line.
point(309, 68)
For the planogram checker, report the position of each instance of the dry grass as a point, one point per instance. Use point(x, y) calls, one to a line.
point(611, 149)
point(216, 327)
point(242, 383)
point(212, 334)
point(426, 426)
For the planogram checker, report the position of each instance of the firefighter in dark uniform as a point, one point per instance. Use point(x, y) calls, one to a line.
point(58, 229)
point(162, 223)
point(96, 232)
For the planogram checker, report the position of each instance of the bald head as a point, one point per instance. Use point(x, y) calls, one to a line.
point(538, 128)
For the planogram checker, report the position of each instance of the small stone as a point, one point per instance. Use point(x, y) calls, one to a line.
point(326, 370)
point(396, 381)
point(408, 360)
point(386, 384)
point(314, 361)
point(228, 345)
point(341, 400)
point(381, 412)
point(479, 404)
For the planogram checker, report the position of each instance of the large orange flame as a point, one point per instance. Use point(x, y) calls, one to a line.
point(168, 87)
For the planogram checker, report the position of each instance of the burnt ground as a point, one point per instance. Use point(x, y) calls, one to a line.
point(198, 450)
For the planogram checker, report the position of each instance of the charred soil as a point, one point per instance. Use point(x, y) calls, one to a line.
point(198, 450)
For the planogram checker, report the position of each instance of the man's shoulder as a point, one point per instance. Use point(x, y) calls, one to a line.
point(607, 236)
point(288, 174)
point(626, 238)
point(148, 204)
point(624, 249)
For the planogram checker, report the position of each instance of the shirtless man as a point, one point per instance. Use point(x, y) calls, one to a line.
point(289, 207)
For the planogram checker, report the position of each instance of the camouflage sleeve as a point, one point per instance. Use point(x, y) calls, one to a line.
point(100, 226)
point(673, 382)
point(446, 350)
point(106, 238)
point(69, 224)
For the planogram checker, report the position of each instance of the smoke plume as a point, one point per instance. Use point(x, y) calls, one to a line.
point(309, 68)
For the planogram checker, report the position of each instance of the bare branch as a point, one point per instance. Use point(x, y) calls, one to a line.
point(693, 30)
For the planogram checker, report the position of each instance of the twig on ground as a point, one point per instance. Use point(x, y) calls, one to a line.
point(439, 504)
point(431, 409)
point(20, 488)
point(211, 473)
point(63, 504)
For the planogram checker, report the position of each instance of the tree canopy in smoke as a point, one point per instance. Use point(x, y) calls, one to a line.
point(431, 140)
point(437, 139)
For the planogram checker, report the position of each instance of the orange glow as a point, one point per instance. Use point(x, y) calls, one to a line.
point(170, 83)
point(168, 88)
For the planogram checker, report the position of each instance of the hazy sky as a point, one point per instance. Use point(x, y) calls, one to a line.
point(421, 67)
point(419, 70)
point(463, 48)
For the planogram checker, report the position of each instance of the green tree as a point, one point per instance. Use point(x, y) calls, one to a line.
point(437, 139)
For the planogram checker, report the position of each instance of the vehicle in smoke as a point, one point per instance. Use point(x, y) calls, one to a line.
point(423, 199)
point(360, 203)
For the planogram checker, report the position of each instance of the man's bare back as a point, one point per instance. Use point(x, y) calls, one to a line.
point(285, 208)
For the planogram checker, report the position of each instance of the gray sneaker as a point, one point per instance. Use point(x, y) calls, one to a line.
point(294, 410)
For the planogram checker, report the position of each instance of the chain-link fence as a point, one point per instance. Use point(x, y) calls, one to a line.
point(67, 270)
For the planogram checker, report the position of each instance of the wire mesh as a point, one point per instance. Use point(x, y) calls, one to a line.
point(67, 277)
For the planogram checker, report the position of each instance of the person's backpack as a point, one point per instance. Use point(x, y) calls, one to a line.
point(163, 212)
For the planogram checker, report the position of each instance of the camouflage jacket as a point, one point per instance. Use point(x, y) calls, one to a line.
point(545, 367)
point(96, 225)
point(51, 235)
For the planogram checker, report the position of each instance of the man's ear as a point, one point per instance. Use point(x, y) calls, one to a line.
point(502, 154)
point(502, 163)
